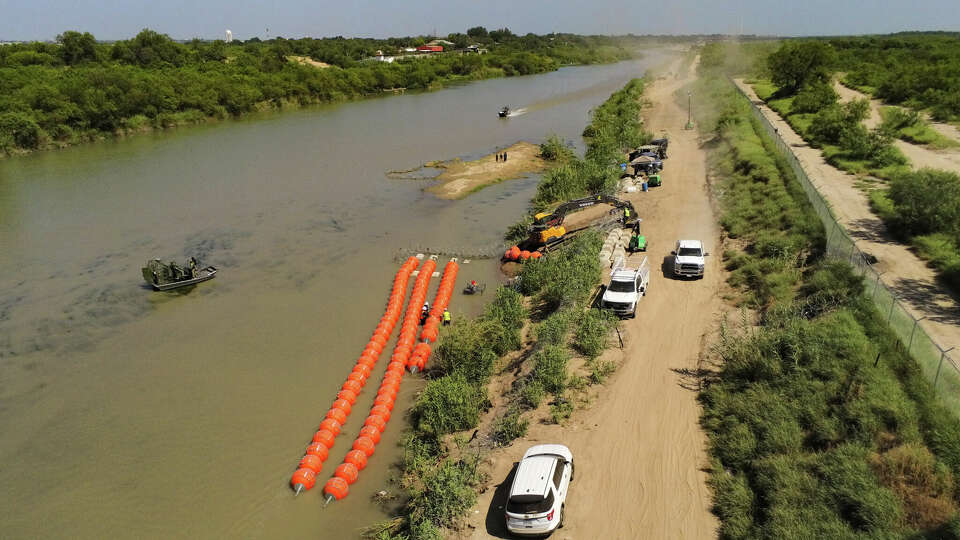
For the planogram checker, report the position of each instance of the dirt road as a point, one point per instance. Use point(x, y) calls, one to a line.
point(905, 273)
point(920, 156)
point(639, 450)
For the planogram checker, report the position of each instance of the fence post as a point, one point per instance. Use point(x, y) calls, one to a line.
point(876, 285)
point(893, 302)
point(915, 323)
point(939, 367)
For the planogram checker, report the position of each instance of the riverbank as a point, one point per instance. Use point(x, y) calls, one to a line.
point(461, 178)
point(151, 82)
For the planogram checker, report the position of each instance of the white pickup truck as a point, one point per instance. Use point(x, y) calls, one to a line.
point(626, 287)
point(688, 258)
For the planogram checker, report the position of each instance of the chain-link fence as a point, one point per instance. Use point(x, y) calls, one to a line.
point(936, 362)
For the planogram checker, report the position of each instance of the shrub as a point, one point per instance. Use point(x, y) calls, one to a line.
point(21, 128)
point(593, 330)
point(554, 329)
point(465, 349)
point(814, 97)
point(554, 149)
point(449, 404)
point(600, 370)
point(447, 492)
point(560, 411)
point(532, 394)
point(550, 368)
point(509, 427)
point(927, 201)
point(506, 315)
point(799, 63)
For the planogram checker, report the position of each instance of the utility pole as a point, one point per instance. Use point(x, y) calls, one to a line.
point(689, 111)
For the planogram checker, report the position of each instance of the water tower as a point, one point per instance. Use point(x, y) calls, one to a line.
point(229, 36)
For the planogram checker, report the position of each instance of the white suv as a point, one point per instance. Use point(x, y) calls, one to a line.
point(539, 490)
point(688, 258)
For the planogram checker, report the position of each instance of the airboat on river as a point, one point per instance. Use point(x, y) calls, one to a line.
point(166, 276)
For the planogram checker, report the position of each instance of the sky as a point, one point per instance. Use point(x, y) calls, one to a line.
point(185, 19)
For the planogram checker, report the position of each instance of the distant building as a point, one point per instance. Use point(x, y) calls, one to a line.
point(430, 48)
point(229, 37)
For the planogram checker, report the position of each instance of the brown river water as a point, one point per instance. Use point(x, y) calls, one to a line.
point(131, 413)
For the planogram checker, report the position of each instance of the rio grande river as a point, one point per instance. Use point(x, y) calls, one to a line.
point(132, 413)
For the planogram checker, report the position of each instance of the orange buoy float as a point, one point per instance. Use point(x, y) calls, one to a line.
point(357, 458)
point(385, 400)
point(357, 377)
point(376, 421)
point(362, 368)
point(370, 432)
point(348, 395)
point(312, 462)
point(524, 255)
point(353, 386)
point(536, 255)
point(342, 404)
point(332, 424)
point(303, 479)
point(347, 471)
point(338, 415)
point(324, 437)
point(336, 487)
point(365, 445)
point(320, 450)
point(380, 410)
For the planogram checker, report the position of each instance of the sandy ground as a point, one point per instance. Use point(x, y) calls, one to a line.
point(460, 178)
point(308, 61)
point(920, 156)
point(639, 450)
point(905, 273)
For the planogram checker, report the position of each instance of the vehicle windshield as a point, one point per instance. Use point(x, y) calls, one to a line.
point(689, 252)
point(524, 504)
point(621, 286)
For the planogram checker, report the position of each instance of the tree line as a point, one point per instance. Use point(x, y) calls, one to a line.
point(80, 89)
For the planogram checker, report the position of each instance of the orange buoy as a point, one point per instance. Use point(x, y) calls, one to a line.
point(347, 471)
point(319, 450)
point(332, 424)
point(342, 404)
point(338, 415)
point(311, 462)
point(353, 386)
point(421, 362)
point(398, 364)
point(524, 255)
point(362, 368)
point(303, 479)
point(368, 359)
point(388, 377)
point(385, 400)
point(324, 437)
point(365, 445)
point(376, 421)
point(357, 377)
point(357, 458)
point(397, 368)
point(336, 487)
point(380, 410)
point(369, 431)
point(349, 395)
point(430, 334)
point(376, 346)
point(506, 254)
point(536, 255)
point(422, 349)
point(379, 339)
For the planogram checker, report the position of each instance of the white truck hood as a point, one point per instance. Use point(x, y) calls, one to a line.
point(688, 260)
point(620, 297)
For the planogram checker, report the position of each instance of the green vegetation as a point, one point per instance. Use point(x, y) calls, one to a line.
point(800, 91)
point(78, 89)
point(918, 70)
point(615, 126)
point(923, 208)
point(820, 425)
point(909, 125)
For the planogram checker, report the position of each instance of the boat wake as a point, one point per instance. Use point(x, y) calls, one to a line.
point(517, 112)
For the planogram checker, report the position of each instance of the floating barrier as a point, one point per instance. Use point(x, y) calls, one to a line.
point(338, 486)
point(520, 255)
point(304, 478)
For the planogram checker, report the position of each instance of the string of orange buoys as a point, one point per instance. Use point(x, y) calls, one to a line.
point(306, 474)
point(431, 328)
point(406, 354)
